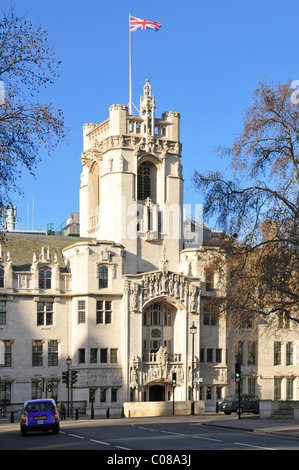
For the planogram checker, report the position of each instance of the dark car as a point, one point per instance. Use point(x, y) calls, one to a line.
point(248, 404)
point(39, 415)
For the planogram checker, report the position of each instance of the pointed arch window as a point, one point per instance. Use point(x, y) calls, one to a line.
point(144, 185)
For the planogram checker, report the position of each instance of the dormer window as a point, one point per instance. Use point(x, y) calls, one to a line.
point(44, 278)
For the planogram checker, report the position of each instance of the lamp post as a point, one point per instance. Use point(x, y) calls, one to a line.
point(193, 331)
point(68, 363)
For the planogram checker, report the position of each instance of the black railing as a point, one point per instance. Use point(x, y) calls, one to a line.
point(9, 410)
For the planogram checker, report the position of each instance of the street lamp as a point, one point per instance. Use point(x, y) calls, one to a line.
point(68, 363)
point(193, 331)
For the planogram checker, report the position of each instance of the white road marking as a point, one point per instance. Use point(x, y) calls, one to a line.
point(176, 433)
point(100, 442)
point(207, 439)
point(143, 427)
point(251, 445)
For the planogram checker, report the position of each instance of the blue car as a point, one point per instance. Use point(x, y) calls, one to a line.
point(39, 415)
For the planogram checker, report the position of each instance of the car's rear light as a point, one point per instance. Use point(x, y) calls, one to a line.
point(56, 417)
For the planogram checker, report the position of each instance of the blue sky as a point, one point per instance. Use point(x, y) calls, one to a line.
point(205, 62)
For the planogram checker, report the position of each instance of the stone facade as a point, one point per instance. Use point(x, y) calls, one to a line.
point(121, 298)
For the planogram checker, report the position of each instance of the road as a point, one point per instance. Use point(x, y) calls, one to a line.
point(156, 435)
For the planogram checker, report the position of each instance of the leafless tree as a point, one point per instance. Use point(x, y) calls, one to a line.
point(27, 65)
point(258, 208)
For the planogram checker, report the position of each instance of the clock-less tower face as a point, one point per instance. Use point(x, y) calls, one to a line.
point(131, 182)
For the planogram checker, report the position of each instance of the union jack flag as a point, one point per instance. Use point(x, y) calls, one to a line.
point(137, 23)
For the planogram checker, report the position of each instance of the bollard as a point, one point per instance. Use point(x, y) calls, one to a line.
point(107, 413)
point(77, 413)
point(12, 417)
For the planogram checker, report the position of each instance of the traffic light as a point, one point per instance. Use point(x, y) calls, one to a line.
point(74, 377)
point(91, 397)
point(174, 379)
point(41, 384)
point(237, 372)
point(65, 378)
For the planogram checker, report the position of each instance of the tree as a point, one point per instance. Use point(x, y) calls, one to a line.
point(258, 208)
point(27, 64)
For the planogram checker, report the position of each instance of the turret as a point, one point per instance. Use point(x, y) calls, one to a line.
point(118, 119)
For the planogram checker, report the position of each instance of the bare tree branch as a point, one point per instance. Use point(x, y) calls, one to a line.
point(27, 65)
point(258, 208)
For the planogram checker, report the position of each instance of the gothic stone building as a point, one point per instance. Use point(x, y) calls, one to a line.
point(130, 300)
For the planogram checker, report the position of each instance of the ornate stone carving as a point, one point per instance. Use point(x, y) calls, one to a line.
point(212, 375)
point(134, 297)
point(164, 261)
point(91, 155)
point(161, 369)
point(134, 370)
point(139, 144)
point(100, 378)
point(24, 280)
point(162, 284)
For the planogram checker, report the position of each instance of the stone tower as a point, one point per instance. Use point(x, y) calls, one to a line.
point(131, 185)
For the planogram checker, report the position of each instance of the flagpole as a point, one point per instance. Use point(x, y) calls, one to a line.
point(130, 69)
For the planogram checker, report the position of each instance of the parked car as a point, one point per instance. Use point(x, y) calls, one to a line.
point(39, 415)
point(248, 404)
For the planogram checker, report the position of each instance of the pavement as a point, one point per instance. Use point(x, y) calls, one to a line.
point(252, 423)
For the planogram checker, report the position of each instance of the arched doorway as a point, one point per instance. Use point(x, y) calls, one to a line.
point(157, 393)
